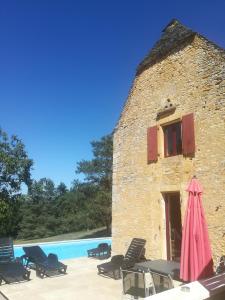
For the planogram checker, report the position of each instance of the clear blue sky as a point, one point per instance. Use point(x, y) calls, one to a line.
point(66, 67)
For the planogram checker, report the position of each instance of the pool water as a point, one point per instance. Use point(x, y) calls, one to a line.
point(66, 250)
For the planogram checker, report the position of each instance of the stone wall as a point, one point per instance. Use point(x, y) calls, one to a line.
point(193, 78)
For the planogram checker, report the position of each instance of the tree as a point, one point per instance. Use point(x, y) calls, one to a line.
point(61, 189)
point(42, 190)
point(15, 169)
point(98, 172)
point(39, 210)
point(48, 210)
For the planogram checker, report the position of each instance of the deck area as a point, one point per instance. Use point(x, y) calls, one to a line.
point(81, 283)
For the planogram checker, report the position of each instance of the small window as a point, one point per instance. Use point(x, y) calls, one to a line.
point(172, 139)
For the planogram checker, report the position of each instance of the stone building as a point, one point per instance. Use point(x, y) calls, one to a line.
point(172, 127)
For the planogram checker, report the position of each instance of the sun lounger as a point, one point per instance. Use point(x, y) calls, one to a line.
point(11, 268)
point(102, 251)
point(112, 268)
point(13, 271)
point(136, 250)
point(118, 262)
point(44, 265)
point(6, 250)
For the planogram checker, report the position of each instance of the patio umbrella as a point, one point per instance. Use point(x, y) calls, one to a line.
point(196, 256)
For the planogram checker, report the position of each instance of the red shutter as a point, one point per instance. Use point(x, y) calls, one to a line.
point(152, 144)
point(188, 135)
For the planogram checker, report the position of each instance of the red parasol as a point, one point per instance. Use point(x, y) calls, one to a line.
point(196, 255)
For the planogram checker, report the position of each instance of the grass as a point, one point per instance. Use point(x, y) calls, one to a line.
point(94, 233)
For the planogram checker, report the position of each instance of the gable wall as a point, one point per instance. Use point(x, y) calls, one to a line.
point(192, 79)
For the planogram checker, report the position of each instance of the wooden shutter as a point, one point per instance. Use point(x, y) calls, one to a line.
point(152, 144)
point(188, 135)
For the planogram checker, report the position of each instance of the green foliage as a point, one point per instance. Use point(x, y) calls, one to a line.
point(47, 209)
point(14, 170)
point(38, 210)
point(42, 190)
point(98, 172)
point(46, 213)
point(61, 189)
point(99, 169)
point(9, 216)
point(14, 165)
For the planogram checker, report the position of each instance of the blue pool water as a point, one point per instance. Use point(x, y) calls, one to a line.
point(65, 250)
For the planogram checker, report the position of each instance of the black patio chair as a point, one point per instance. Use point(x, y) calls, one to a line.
point(44, 265)
point(140, 283)
point(102, 251)
point(118, 262)
point(11, 268)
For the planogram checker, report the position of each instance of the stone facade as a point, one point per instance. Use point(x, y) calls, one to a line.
point(189, 70)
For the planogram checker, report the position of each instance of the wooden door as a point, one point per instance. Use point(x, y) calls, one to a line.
point(173, 225)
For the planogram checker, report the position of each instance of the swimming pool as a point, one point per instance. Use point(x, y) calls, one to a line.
point(66, 249)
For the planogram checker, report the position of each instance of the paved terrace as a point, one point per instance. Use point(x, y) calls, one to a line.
point(81, 283)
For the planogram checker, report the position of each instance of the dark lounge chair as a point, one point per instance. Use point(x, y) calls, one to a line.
point(13, 271)
point(44, 265)
point(112, 268)
point(102, 251)
point(134, 254)
point(6, 250)
point(11, 268)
